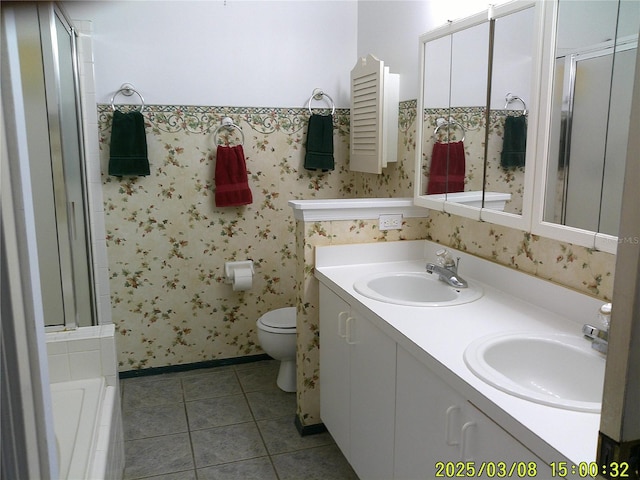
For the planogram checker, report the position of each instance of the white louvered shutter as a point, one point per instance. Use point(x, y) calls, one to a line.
point(374, 116)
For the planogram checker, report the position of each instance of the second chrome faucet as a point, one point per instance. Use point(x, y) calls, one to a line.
point(447, 269)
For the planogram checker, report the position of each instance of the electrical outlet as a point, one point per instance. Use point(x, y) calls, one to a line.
point(392, 221)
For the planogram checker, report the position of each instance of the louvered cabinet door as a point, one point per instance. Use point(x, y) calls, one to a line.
point(366, 115)
point(374, 116)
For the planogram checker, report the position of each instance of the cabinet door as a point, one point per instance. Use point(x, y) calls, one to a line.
point(373, 386)
point(485, 442)
point(334, 367)
point(434, 423)
point(429, 419)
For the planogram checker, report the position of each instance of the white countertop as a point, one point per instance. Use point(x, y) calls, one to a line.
point(438, 336)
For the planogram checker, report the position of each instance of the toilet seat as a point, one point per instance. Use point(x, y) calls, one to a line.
point(281, 320)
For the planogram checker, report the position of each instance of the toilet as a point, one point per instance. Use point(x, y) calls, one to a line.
point(277, 337)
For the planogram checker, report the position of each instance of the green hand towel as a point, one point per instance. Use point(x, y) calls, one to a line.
point(514, 144)
point(128, 150)
point(319, 154)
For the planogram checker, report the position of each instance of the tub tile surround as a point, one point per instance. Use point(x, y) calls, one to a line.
point(86, 352)
point(514, 302)
point(89, 354)
point(94, 181)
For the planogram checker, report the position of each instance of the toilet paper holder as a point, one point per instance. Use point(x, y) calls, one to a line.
point(230, 269)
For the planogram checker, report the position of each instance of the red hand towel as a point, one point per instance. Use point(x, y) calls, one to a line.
point(448, 167)
point(232, 185)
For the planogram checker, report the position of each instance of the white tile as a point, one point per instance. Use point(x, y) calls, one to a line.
point(84, 345)
point(62, 336)
point(100, 251)
point(59, 368)
point(105, 314)
point(100, 234)
point(92, 134)
point(85, 365)
point(97, 202)
point(108, 353)
point(102, 281)
point(108, 330)
point(56, 348)
point(112, 380)
point(84, 333)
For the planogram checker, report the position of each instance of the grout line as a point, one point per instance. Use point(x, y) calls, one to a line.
point(255, 422)
point(186, 416)
point(189, 429)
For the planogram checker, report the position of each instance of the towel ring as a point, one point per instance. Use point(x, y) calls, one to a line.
point(441, 122)
point(317, 95)
point(128, 90)
point(510, 97)
point(229, 125)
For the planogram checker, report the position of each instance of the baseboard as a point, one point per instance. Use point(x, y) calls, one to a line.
point(305, 430)
point(194, 366)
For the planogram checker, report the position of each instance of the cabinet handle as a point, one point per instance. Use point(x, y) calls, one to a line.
point(341, 325)
point(349, 336)
point(447, 427)
point(465, 440)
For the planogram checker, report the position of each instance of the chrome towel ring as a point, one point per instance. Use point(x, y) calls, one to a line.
point(127, 90)
point(441, 122)
point(318, 95)
point(229, 125)
point(510, 97)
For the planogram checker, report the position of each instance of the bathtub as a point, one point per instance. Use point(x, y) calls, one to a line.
point(86, 403)
point(88, 441)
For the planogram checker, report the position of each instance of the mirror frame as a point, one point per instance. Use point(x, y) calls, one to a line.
point(438, 202)
point(577, 236)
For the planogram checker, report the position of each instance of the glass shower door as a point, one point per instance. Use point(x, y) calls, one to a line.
point(67, 176)
point(73, 166)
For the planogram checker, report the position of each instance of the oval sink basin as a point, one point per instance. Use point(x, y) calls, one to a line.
point(418, 289)
point(552, 369)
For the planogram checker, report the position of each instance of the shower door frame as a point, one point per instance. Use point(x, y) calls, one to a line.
point(57, 160)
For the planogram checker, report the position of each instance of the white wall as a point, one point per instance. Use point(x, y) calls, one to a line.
point(228, 53)
point(390, 30)
point(270, 53)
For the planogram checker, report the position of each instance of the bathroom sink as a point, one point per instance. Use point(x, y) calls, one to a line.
point(552, 369)
point(418, 289)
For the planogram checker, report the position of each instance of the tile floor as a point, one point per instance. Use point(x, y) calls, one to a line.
point(222, 423)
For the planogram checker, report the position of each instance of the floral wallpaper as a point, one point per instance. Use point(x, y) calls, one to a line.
point(576, 267)
point(167, 242)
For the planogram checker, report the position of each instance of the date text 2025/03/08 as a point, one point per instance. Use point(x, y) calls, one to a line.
point(528, 469)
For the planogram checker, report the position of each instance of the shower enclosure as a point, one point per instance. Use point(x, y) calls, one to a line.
point(51, 96)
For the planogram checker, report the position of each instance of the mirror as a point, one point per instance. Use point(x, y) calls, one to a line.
point(511, 87)
point(476, 79)
point(594, 63)
point(455, 65)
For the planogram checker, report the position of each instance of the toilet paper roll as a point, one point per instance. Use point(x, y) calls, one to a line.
point(242, 279)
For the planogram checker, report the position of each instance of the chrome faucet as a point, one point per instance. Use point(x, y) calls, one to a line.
point(599, 336)
point(447, 269)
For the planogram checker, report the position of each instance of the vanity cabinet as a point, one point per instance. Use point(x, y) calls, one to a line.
point(357, 386)
point(434, 423)
point(393, 417)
